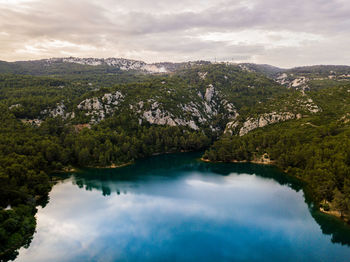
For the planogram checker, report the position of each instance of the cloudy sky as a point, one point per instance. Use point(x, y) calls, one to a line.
point(278, 32)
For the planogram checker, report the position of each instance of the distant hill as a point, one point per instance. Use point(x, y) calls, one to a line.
point(126, 70)
point(267, 70)
point(73, 65)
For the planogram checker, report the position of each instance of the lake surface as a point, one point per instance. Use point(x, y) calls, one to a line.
point(176, 208)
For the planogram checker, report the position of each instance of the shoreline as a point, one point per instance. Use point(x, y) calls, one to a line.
point(76, 169)
point(258, 162)
point(113, 166)
point(335, 213)
point(332, 213)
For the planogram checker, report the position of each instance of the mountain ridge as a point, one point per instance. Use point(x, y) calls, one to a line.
point(166, 66)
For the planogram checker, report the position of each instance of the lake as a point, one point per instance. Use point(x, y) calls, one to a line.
point(177, 208)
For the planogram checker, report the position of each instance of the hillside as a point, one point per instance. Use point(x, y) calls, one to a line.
point(196, 97)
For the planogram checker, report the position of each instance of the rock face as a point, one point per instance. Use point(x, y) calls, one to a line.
point(59, 110)
point(290, 81)
point(261, 121)
point(15, 106)
point(193, 114)
point(264, 120)
point(158, 115)
point(231, 109)
point(99, 107)
point(308, 105)
point(209, 93)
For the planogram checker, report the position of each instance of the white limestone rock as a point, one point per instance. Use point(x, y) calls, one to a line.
point(91, 104)
point(209, 93)
point(59, 110)
point(231, 126)
point(155, 115)
point(33, 122)
point(202, 75)
point(264, 120)
point(99, 107)
point(290, 81)
point(231, 109)
point(308, 104)
point(15, 106)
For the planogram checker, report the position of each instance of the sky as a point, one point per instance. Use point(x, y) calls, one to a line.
point(277, 32)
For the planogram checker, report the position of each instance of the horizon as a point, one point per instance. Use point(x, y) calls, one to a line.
point(271, 32)
point(188, 61)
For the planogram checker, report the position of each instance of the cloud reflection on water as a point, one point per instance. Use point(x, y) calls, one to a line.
point(192, 214)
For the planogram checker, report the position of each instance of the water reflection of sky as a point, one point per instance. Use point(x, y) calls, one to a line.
point(191, 217)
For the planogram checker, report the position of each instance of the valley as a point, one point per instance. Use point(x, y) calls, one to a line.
point(64, 113)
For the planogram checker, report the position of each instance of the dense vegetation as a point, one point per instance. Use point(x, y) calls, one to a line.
point(314, 148)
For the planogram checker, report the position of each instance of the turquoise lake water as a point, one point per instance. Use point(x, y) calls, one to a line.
point(176, 208)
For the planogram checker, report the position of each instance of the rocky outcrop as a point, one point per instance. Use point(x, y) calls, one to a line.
point(307, 104)
point(99, 107)
point(231, 109)
point(263, 120)
point(165, 118)
point(59, 110)
point(193, 110)
point(15, 106)
point(194, 114)
point(157, 115)
point(231, 127)
point(202, 75)
point(291, 81)
point(211, 101)
point(106, 101)
point(209, 93)
point(33, 122)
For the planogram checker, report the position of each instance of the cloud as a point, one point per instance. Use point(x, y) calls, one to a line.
point(248, 30)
